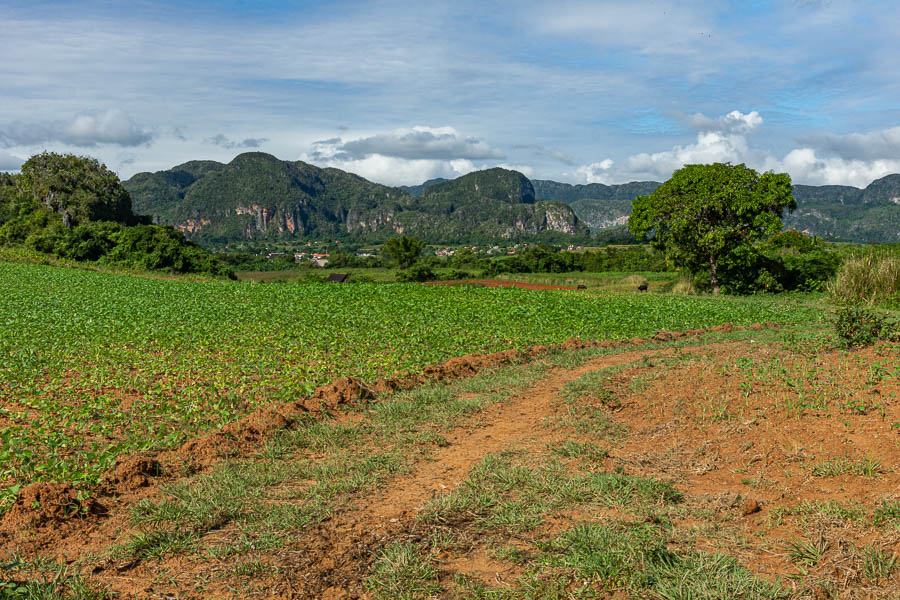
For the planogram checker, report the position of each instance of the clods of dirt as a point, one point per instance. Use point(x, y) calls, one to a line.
point(749, 507)
point(45, 504)
point(132, 472)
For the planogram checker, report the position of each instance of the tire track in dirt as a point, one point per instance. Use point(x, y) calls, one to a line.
point(333, 560)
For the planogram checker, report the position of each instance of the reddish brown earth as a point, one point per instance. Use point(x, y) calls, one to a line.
point(738, 427)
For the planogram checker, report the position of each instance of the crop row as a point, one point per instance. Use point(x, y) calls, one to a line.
point(95, 365)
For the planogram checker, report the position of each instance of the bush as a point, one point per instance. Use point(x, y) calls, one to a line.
point(870, 278)
point(858, 326)
point(417, 273)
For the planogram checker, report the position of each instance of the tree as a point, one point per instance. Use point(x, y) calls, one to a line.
point(77, 187)
point(405, 250)
point(704, 212)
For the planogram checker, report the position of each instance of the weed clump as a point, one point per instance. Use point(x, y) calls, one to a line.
point(858, 326)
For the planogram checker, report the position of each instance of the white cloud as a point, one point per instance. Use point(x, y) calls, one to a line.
point(864, 157)
point(419, 142)
point(597, 172)
point(390, 170)
point(724, 140)
point(805, 166)
point(733, 122)
point(407, 156)
point(84, 130)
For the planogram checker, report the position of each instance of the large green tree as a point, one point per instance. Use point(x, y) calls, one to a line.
point(704, 212)
point(79, 188)
point(405, 250)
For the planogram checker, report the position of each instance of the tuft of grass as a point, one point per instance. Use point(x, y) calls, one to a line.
point(685, 287)
point(806, 553)
point(887, 514)
point(585, 450)
point(635, 557)
point(403, 572)
point(154, 544)
point(866, 467)
point(877, 563)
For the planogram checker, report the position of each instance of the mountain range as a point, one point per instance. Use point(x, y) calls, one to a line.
point(258, 196)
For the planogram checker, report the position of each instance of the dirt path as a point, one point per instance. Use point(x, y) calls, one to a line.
point(334, 559)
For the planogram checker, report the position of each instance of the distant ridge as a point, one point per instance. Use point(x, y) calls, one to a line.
point(258, 196)
point(836, 212)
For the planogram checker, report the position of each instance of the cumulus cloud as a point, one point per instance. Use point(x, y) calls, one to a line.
point(805, 166)
point(8, 162)
point(734, 122)
point(855, 159)
point(597, 172)
point(408, 156)
point(84, 130)
point(224, 142)
point(723, 140)
point(416, 143)
point(391, 170)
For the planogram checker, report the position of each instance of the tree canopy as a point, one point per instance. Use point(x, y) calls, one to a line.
point(405, 250)
point(704, 212)
point(77, 187)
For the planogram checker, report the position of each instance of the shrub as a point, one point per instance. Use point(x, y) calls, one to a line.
point(417, 272)
point(870, 278)
point(858, 326)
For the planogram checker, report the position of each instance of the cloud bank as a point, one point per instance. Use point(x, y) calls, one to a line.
point(85, 130)
point(224, 142)
point(855, 159)
point(407, 156)
point(8, 162)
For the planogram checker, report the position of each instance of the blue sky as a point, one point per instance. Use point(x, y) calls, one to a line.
point(400, 92)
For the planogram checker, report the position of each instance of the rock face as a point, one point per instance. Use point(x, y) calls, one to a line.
point(257, 196)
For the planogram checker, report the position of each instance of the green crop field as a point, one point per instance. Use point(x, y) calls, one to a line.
point(94, 365)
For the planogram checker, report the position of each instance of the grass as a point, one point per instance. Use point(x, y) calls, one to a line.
point(94, 365)
point(504, 492)
point(403, 572)
point(871, 277)
point(290, 484)
point(834, 467)
point(605, 281)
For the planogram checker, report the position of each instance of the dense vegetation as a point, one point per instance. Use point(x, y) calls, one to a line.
point(93, 365)
point(704, 213)
point(257, 196)
point(836, 212)
point(74, 208)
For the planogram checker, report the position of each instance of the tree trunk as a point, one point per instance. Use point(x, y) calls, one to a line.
point(713, 278)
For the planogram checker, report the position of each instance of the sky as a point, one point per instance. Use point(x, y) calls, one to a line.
point(401, 92)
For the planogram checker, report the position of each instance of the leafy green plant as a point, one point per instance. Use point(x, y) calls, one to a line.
point(859, 326)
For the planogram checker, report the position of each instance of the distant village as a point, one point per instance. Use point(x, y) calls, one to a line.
point(320, 259)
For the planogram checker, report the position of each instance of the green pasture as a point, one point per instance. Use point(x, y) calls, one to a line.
point(94, 365)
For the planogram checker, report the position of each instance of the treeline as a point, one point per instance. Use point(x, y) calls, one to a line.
point(74, 208)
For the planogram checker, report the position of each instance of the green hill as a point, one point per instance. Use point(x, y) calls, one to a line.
point(836, 212)
point(258, 196)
